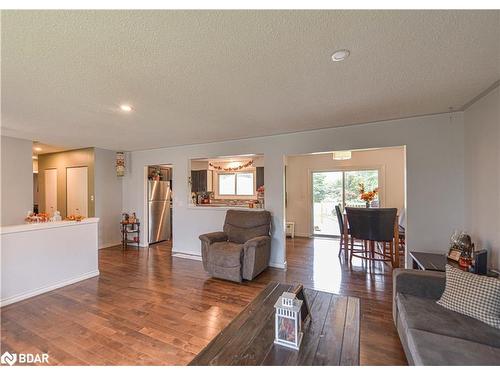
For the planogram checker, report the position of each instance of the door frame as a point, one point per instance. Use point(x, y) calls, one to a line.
point(310, 212)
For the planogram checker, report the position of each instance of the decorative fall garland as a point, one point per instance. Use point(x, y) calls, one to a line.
point(242, 166)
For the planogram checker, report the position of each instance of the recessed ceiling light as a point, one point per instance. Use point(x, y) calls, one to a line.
point(38, 149)
point(126, 108)
point(340, 55)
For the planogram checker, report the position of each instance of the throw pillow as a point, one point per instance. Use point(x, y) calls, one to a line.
point(472, 295)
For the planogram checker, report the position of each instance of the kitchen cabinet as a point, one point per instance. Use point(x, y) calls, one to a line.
point(259, 177)
point(199, 181)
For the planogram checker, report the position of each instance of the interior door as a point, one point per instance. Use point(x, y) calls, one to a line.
point(77, 191)
point(50, 176)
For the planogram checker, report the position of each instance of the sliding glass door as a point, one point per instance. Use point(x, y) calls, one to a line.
point(327, 193)
point(352, 179)
point(331, 188)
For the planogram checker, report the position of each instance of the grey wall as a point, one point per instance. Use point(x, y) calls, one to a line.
point(482, 174)
point(16, 180)
point(108, 197)
point(434, 179)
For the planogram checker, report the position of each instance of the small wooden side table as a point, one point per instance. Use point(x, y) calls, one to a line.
point(130, 228)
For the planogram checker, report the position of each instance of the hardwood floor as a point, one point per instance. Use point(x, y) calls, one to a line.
point(147, 307)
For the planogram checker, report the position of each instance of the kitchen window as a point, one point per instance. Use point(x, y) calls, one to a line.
point(239, 183)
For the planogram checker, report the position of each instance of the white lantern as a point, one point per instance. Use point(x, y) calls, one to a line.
point(288, 329)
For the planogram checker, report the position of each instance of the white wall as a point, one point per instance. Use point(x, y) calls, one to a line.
point(389, 161)
point(108, 197)
point(38, 258)
point(434, 156)
point(482, 174)
point(16, 180)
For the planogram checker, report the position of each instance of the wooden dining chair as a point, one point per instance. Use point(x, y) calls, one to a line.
point(345, 237)
point(374, 226)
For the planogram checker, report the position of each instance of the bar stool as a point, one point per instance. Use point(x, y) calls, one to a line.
point(374, 225)
point(344, 235)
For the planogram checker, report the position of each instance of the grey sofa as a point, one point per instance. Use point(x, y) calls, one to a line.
point(433, 335)
point(242, 250)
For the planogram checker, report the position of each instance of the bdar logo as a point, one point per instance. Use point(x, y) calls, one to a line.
point(8, 358)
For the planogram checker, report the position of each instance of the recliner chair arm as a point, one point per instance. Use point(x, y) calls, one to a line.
point(256, 242)
point(210, 238)
point(256, 254)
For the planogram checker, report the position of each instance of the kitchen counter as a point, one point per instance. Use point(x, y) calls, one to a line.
point(37, 258)
point(44, 226)
point(222, 207)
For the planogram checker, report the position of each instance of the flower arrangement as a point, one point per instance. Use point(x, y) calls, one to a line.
point(367, 196)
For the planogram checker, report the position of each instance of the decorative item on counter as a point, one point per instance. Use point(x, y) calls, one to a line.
point(461, 248)
point(288, 322)
point(260, 191)
point(231, 169)
point(57, 216)
point(260, 196)
point(206, 198)
point(32, 218)
point(76, 217)
point(251, 204)
point(367, 196)
point(120, 164)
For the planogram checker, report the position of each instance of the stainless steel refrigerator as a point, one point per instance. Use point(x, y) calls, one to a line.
point(160, 211)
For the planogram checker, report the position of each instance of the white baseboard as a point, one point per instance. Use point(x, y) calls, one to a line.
point(110, 245)
point(300, 235)
point(186, 256)
point(281, 266)
point(45, 289)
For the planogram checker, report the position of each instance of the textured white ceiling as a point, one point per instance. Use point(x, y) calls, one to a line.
point(202, 76)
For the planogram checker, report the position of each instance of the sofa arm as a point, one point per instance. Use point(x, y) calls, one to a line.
point(425, 284)
point(256, 254)
point(210, 238)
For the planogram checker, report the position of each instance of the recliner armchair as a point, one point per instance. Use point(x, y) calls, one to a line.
point(242, 250)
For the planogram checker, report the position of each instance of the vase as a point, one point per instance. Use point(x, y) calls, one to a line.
point(367, 204)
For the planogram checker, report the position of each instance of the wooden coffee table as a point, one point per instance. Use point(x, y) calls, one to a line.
point(331, 338)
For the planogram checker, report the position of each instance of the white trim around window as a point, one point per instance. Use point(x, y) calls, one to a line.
point(234, 196)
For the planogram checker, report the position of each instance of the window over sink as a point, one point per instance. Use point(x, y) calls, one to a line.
point(236, 184)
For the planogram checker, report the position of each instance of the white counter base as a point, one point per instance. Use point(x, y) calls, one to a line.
point(38, 258)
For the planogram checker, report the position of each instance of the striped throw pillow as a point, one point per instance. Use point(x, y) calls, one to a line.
point(472, 295)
